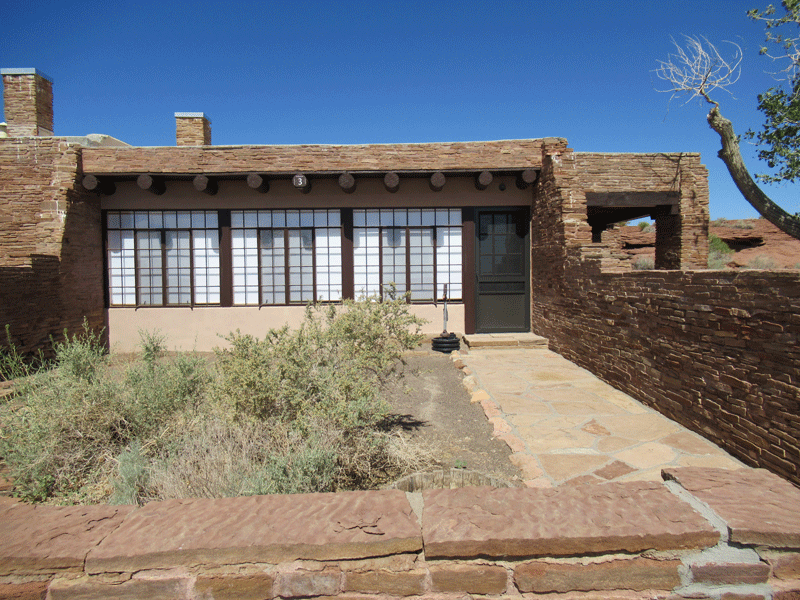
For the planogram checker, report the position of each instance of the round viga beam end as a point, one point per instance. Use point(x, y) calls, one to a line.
point(301, 182)
point(154, 185)
point(483, 180)
point(99, 185)
point(347, 182)
point(526, 178)
point(391, 181)
point(258, 182)
point(437, 181)
point(205, 184)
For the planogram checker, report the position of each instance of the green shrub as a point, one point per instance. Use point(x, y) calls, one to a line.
point(718, 253)
point(299, 411)
point(643, 263)
point(14, 364)
point(762, 262)
point(75, 418)
point(716, 244)
point(328, 368)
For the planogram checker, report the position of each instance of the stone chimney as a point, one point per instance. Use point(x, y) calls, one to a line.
point(28, 97)
point(192, 129)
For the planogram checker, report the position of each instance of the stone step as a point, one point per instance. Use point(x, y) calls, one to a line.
point(505, 340)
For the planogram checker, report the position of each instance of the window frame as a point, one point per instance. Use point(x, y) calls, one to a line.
point(165, 288)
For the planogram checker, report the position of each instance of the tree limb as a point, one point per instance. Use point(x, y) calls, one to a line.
point(732, 157)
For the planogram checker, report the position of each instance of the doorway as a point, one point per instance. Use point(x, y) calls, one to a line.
point(502, 270)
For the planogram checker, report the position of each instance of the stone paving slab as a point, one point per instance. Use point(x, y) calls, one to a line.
point(733, 494)
point(570, 520)
point(572, 427)
point(260, 529)
point(44, 539)
point(503, 340)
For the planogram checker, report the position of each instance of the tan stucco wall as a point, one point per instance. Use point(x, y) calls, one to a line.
point(197, 329)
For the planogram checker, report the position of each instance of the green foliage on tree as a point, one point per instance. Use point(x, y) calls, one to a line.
point(779, 136)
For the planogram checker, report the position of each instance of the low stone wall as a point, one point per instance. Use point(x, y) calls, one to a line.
point(717, 351)
point(705, 533)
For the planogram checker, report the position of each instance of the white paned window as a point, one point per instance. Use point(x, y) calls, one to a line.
point(286, 256)
point(414, 250)
point(158, 258)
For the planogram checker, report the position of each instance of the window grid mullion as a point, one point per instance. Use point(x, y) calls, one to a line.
point(313, 264)
point(286, 277)
point(408, 264)
point(434, 239)
point(260, 267)
point(191, 265)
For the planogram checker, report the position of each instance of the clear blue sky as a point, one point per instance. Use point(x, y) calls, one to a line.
point(373, 72)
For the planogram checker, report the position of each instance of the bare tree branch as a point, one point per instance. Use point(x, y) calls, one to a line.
point(698, 70)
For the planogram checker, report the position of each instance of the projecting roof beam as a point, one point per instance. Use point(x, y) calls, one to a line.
point(207, 185)
point(258, 182)
point(100, 185)
point(347, 182)
point(154, 185)
point(483, 180)
point(391, 182)
point(437, 181)
point(301, 182)
point(526, 178)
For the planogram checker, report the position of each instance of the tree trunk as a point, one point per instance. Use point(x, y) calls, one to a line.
point(732, 158)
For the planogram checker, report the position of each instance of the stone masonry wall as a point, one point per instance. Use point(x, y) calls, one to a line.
point(701, 534)
point(51, 275)
point(676, 172)
point(192, 131)
point(28, 104)
point(514, 154)
point(715, 350)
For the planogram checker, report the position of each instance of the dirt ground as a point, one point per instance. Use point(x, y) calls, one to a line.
point(431, 404)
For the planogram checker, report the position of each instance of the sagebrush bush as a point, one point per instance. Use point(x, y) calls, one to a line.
point(643, 263)
point(297, 411)
point(718, 252)
point(75, 418)
point(762, 262)
point(330, 367)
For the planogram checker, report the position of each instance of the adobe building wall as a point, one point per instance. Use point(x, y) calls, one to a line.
point(715, 350)
point(50, 243)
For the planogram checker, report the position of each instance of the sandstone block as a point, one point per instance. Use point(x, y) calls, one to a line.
point(759, 507)
point(470, 579)
point(731, 574)
point(33, 590)
point(613, 517)
point(135, 589)
point(235, 587)
point(785, 565)
point(631, 574)
point(45, 539)
point(260, 529)
point(409, 583)
point(301, 584)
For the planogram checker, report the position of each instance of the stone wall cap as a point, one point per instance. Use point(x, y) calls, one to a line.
point(192, 115)
point(260, 529)
point(563, 521)
point(25, 72)
point(759, 507)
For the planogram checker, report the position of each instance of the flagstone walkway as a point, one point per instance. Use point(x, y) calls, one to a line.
point(563, 424)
